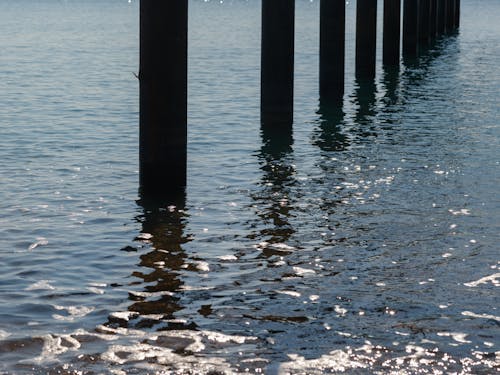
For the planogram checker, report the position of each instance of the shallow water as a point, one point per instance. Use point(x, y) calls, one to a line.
point(363, 241)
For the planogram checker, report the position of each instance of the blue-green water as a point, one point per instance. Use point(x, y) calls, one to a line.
point(366, 241)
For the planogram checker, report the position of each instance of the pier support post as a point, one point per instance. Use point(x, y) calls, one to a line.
point(457, 14)
point(450, 15)
point(163, 96)
point(441, 16)
point(410, 28)
point(366, 37)
point(277, 60)
point(424, 22)
point(332, 50)
point(432, 19)
point(392, 32)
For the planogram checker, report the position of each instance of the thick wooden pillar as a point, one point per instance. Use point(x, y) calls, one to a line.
point(433, 19)
point(277, 60)
point(163, 96)
point(332, 50)
point(441, 16)
point(423, 22)
point(392, 32)
point(410, 27)
point(457, 14)
point(366, 37)
point(450, 15)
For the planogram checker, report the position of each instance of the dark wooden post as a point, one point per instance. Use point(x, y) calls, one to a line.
point(433, 19)
point(410, 27)
point(441, 16)
point(163, 96)
point(277, 60)
point(392, 32)
point(450, 15)
point(366, 37)
point(423, 22)
point(457, 14)
point(332, 50)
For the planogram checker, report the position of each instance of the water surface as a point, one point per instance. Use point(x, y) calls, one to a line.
point(362, 240)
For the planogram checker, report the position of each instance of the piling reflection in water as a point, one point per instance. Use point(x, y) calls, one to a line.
point(329, 135)
point(365, 99)
point(278, 176)
point(391, 85)
point(163, 225)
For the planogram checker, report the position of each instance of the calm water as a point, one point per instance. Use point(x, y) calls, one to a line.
point(366, 241)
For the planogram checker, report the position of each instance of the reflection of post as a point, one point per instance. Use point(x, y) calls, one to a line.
point(329, 136)
point(277, 179)
point(277, 60)
point(392, 34)
point(390, 81)
point(163, 95)
point(366, 38)
point(410, 28)
point(332, 50)
point(365, 98)
point(160, 267)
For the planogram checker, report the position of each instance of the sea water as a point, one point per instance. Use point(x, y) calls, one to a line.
point(364, 241)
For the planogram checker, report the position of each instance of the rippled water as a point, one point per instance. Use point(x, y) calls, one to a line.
point(363, 241)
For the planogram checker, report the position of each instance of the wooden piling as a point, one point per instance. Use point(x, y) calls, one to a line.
point(163, 96)
point(441, 17)
point(391, 32)
point(433, 19)
point(457, 14)
point(410, 28)
point(424, 22)
point(450, 15)
point(366, 33)
point(277, 60)
point(332, 50)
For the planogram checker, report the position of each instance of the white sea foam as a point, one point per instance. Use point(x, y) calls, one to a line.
point(289, 292)
point(335, 361)
point(74, 312)
point(483, 280)
point(4, 334)
point(299, 271)
point(481, 316)
point(40, 241)
point(41, 285)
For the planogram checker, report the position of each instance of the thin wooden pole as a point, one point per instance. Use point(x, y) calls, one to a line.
point(277, 60)
point(332, 50)
point(163, 96)
point(366, 37)
point(392, 32)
